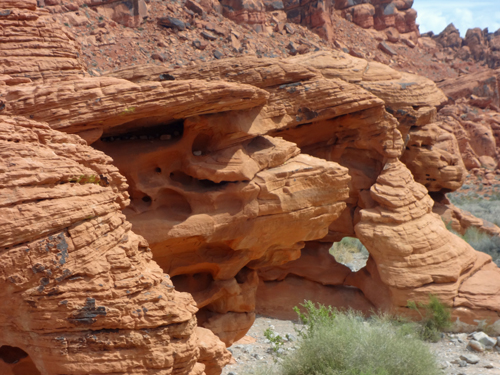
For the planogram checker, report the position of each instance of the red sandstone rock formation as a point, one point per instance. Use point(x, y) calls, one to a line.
point(80, 292)
point(241, 173)
point(78, 283)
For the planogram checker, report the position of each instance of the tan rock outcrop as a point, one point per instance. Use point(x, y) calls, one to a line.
point(80, 292)
point(235, 166)
point(39, 48)
point(484, 83)
point(477, 132)
point(433, 156)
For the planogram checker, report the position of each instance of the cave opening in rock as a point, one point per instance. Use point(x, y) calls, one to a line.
point(164, 132)
point(194, 184)
point(15, 361)
point(350, 252)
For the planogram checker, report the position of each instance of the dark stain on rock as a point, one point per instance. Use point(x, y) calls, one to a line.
point(87, 314)
point(38, 268)
point(62, 246)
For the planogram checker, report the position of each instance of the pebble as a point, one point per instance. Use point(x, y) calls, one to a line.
point(475, 345)
point(484, 339)
point(470, 358)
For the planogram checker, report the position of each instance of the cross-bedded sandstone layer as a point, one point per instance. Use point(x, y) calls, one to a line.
point(80, 292)
point(240, 174)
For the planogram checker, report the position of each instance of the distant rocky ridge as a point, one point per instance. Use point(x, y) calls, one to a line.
point(479, 45)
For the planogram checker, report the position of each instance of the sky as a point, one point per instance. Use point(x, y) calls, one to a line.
point(435, 15)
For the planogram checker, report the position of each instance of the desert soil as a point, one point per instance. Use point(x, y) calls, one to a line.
point(254, 351)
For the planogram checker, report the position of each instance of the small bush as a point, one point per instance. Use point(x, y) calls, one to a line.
point(276, 340)
point(436, 317)
point(338, 343)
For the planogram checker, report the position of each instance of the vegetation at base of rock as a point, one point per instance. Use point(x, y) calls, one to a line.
point(482, 242)
point(488, 210)
point(342, 251)
point(345, 343)
point(276, 340)
point(436, 317)
point(485, 209)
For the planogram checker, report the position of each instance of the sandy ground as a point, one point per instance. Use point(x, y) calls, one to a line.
point(254, 351)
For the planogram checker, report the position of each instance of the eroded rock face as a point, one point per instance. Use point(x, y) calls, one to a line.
point(77, 282)
point(129, 13)
point(45, 51)
point(241, 173)
point(319, 16)
point(477, 132)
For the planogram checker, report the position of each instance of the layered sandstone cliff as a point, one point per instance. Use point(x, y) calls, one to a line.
point(240, 174)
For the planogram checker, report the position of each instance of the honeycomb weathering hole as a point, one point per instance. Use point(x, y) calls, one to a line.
point(258, 144)
point(201, 144)
point(16, 361)
point(11, 354)
point(193, 184)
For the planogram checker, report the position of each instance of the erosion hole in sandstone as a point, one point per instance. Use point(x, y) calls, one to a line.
point(350, 252)
point(190, 183)
point(201, 144)
point(163, 132)
point(16, 361)
point(194, 283)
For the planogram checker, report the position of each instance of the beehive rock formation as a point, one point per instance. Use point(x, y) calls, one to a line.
point(80, 291)
point(240, 174)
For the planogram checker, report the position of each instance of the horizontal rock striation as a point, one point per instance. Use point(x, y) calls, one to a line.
point(240, 174)
point(80, 291)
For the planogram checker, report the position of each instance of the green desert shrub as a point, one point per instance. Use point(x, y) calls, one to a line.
point(345, 343)
point(436, 318)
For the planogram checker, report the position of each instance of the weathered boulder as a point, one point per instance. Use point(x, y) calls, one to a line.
point(433, 156)
point(484, 84)
point(474, 39)
point(449, 37)
point(252, 12)
point(477, 133)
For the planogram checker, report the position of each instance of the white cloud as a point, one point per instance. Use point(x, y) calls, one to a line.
point(436, 15)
